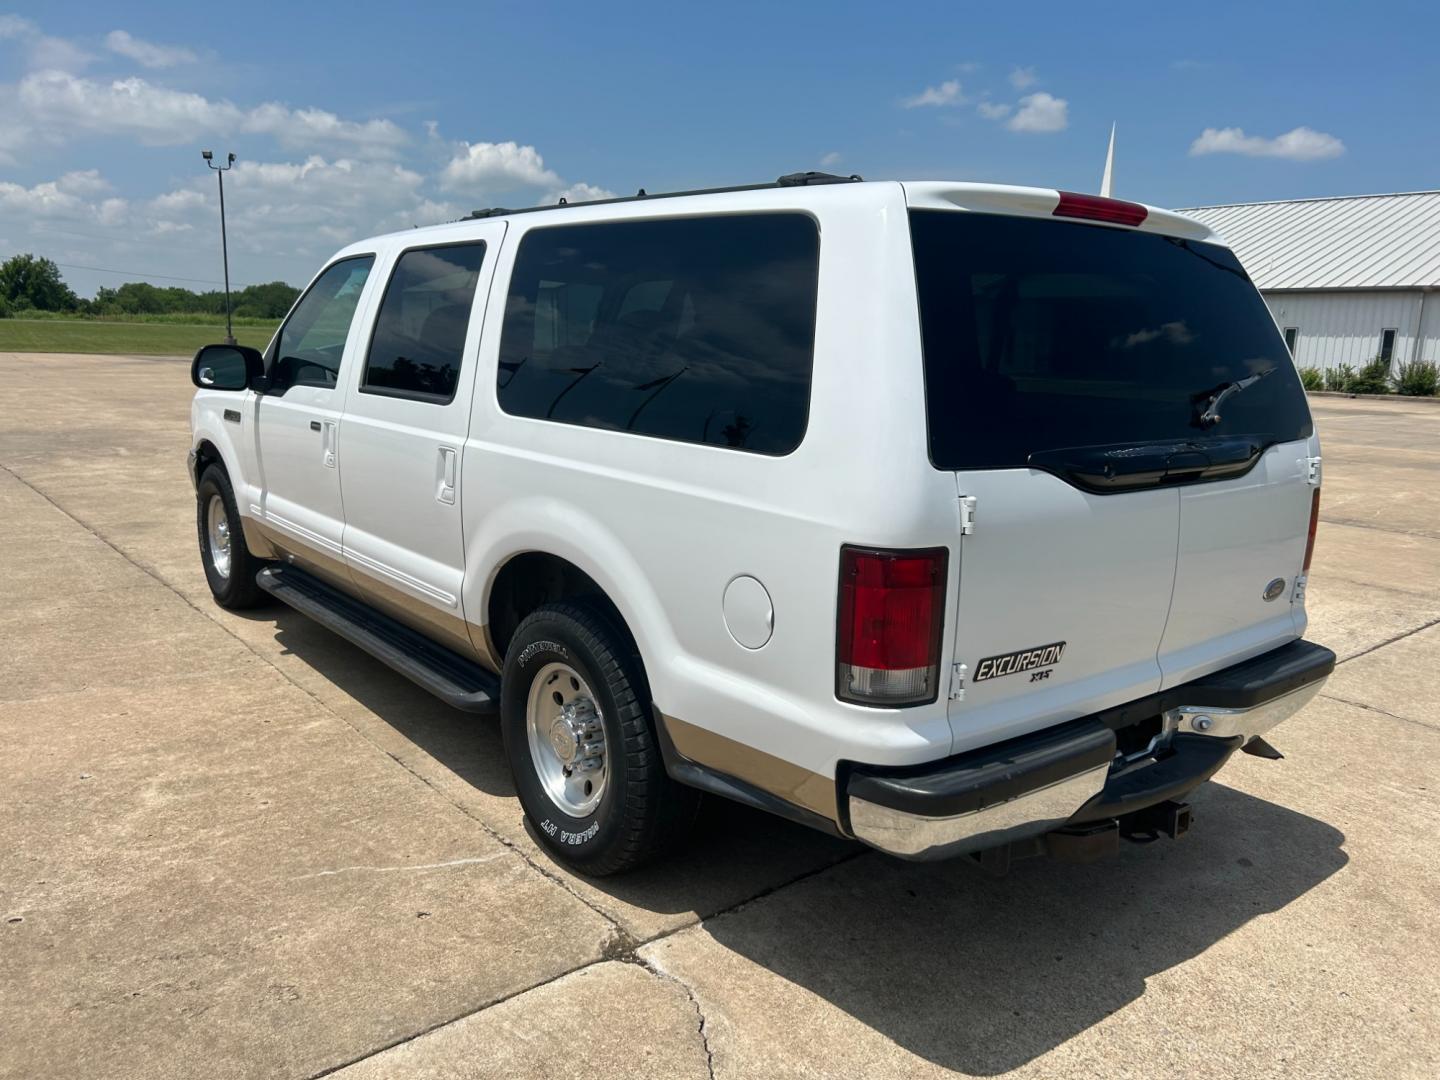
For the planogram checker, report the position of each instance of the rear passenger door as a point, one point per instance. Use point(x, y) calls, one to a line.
point(406, 419)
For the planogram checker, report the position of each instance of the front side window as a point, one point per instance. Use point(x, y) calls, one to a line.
point(311, 344)
point(419, 340)
point(693, 329)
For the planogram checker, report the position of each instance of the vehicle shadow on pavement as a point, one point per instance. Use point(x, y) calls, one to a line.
point(734, 854)
point(970, 971)
point(984, 974)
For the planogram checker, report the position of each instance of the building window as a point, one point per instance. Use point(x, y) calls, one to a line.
point(1387, 345)
point(1291, 334)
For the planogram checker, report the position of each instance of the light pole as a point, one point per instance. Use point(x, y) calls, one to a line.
point(220, 171)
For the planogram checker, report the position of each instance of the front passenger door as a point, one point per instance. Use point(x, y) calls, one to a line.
point(298, 419)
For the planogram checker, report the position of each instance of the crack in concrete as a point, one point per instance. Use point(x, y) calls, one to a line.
point(1377, 709)
point(405, 868)
point(1389, 641)
point(625, 950)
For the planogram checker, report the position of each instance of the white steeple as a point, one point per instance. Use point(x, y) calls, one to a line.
point(1106, 181)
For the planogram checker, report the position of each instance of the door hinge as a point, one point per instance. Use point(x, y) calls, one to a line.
point(957, 681)
point(967, 514)
point(1312, 471)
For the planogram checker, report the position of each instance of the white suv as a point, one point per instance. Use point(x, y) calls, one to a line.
point(956, 518)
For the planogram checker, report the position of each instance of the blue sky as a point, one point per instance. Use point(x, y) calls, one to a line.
point(388, 115)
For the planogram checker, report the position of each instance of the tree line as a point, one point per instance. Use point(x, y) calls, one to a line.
point(31, 283)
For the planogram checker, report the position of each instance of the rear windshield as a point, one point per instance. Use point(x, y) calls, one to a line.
point(1042, 335)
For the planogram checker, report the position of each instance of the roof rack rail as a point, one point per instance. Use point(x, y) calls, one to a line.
point(799, 179)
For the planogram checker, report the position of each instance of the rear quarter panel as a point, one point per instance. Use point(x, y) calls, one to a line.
point(664, 526)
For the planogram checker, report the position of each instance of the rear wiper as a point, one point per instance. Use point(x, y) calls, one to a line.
point(1213, 399)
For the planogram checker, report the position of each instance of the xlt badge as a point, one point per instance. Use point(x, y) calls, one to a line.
point(1042, 656)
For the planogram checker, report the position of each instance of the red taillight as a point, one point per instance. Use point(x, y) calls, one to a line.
point(1097, 208)
point(892, 606)
point(1314, 524)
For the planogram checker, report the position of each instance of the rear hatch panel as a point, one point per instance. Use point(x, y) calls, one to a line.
point(1068, 366)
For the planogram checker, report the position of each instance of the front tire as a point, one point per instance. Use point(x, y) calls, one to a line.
point(230, 569)
point(575, 715)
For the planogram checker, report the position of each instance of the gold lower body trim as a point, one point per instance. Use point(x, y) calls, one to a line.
point(770, 774)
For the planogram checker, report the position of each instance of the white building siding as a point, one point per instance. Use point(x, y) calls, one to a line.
point(1345, 327)
point(1430, 330)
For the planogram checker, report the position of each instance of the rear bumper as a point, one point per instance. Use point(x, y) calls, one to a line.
point(1073, 774)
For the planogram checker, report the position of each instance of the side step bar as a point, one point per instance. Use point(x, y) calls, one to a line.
point(449, 676)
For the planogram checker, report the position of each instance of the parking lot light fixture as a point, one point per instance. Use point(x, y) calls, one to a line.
point(220, 171)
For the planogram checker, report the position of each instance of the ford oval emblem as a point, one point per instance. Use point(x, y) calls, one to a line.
point(1274, 589)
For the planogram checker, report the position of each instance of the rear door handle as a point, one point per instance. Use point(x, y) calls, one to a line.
point(327, 442)
point(445, 476)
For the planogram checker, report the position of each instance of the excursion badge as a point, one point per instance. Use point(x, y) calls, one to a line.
point(1042, 656)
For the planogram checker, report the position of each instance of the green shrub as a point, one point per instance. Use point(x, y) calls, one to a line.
point(1373, 378)
point(1312, 378)
point(1420, 378)
point(1339, 377)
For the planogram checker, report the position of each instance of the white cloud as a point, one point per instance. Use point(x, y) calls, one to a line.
point(993, 110)
point(61, 199)
point(84, 182)
point(1300, 144)
point(503, 166)
point(1022, 78)
point(304, 209)
point(303, 128)
point(61, 105)
point(43, 51)
point(578, 193)
point(147, 53)
point(830, 159)
point(13, 26)
point(1040, 113)
point(947, 93)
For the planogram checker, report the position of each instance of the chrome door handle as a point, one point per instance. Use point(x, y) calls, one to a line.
point(327, 443)
point(445, 476)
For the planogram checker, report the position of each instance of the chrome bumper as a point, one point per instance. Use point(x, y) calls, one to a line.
point(914, 836)
point(1204, 735)
point(1247, 723)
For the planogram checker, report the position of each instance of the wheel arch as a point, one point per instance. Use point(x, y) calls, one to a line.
point(558, 551)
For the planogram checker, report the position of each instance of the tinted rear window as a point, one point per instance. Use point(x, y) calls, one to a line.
point(1041, 335)
point(693, 329)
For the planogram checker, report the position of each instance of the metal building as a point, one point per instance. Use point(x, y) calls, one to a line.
point(1348, 279)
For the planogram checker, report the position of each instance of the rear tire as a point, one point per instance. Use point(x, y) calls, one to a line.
point(576, 718)
point(230, 569)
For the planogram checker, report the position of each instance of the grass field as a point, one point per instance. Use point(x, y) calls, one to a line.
point(134, 338)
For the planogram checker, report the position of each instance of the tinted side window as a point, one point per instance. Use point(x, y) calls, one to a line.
point(694, 329)
point(416, 350)
point(311, 344)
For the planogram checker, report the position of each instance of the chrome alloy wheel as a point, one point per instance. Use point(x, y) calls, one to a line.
point(567, 739)
point(217, 535)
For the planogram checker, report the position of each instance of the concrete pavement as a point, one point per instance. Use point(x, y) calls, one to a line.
point(231, 845)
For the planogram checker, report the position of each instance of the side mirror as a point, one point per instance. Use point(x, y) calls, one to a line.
point(226, 367)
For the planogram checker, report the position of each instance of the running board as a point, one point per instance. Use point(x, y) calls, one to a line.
point(448, 675)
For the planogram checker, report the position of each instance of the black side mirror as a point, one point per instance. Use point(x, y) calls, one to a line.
point(226, 367)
